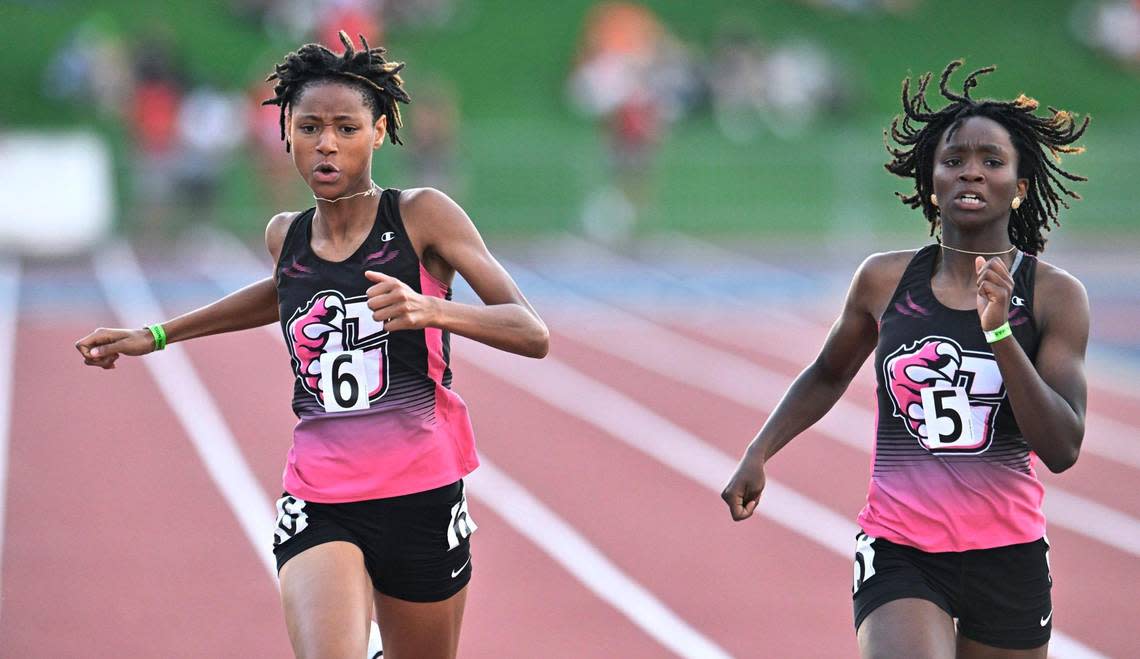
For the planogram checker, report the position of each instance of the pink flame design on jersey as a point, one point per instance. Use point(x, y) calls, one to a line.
point(934, 362)
point(309, 334)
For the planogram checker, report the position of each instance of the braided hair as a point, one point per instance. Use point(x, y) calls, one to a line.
point(378, 79)
point(919, 129)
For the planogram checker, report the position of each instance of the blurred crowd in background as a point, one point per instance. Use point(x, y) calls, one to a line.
point(632, 75)
point(183, 131)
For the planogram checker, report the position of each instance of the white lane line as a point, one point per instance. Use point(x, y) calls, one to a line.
point(9, 302)
point(682, 359)
point(126, 289)
point(558, 539)
point(628, 421)
point(624, 419)
point(553, 535)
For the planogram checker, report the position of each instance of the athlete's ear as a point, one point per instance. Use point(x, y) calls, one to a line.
point(1022, 187)
point(381, 130)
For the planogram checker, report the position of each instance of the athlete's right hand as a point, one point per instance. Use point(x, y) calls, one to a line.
point(743, 492)
point(103, 346)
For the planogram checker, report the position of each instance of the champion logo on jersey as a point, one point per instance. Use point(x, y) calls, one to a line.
point(1017, 301)
point(387, 236)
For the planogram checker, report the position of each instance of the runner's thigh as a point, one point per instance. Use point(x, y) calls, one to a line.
point(327, 597)
point(414, 630)
point(908, 627)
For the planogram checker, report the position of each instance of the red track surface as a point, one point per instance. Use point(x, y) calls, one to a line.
point(118, 544)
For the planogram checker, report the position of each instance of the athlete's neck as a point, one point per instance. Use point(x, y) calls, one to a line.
point(958, 264)
point(346, 218)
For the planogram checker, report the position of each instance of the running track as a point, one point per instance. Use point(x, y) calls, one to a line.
point(136, 513)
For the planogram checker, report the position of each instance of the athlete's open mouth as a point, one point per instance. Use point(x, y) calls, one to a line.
point(970, 200)
point(325, 173)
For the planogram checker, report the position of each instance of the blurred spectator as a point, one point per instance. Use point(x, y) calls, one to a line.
point(781, 89)
point(433, 122)
point(738, 84)
point(92, 67)
point(317, 20)
point(635, 78)
point(152, 120)
point(1112, 27)
point(864, 6)
point(271, 162)
point(355, 17)
point(803, 81)
point(420, 13)
point(210, 125)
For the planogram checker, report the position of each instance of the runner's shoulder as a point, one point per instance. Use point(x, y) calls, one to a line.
point(1057, 292)
point(275, 231)
point(880, 273)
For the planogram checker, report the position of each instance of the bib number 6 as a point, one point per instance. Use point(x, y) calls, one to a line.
point(344, 384)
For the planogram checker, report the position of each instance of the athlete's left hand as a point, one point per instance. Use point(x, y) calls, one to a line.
point(995, 288)
point(395, 304)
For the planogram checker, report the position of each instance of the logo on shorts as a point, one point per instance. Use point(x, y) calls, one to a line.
point(1045, 620)
point(291, 518)
point(330, 322)
point(937, 361)
point(456, 573)
point(460, 525)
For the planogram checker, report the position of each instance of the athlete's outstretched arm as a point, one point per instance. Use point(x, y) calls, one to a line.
point(252, 306)
point(819, 386)
point(1047, 397)
point(443, 231)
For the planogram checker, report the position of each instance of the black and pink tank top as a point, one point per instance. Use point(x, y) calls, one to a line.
point(950, 470)
point(377, 416)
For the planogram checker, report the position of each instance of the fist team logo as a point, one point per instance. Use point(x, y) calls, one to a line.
point(330, 323)
point(965, 391)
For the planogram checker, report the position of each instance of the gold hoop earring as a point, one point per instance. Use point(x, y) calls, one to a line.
point(933, 200)
point(1016, 203)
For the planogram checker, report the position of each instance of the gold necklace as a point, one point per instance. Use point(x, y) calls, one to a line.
point(962, 251)
point(370, 191)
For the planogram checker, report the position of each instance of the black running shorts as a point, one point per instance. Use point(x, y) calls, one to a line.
point(1000, 596)
point(416, 547)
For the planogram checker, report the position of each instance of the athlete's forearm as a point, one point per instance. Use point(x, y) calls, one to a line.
point(252, 306)
point(1049, 424)
point(811, 396)
point(512, 327)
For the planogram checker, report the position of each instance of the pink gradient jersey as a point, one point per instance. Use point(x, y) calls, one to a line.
point(950, 471)
point(377, 416)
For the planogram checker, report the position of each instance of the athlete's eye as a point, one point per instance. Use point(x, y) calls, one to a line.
point(349, 129)
point(952, 162)
point(307, 129)
point(994, 162)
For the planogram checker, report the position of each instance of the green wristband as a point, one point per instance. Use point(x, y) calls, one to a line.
point(159, 335)
point(999, 333)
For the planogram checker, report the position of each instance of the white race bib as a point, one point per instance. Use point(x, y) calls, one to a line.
point(949, 419)
point(344, 385)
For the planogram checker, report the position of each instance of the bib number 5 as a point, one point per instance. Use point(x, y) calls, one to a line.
point(344, 384)
point(949, 419)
